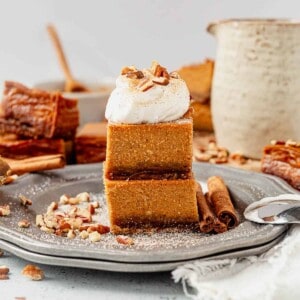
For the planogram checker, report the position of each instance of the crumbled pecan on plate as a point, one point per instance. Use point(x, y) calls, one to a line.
point(33, 272)
point(125, 240)
point(4, 210)
point(4, 270)
point(72, 217)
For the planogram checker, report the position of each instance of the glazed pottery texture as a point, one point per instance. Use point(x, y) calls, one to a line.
point(256, 84)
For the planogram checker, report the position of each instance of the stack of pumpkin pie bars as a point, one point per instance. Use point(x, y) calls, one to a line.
point(148, 176)
point(36, 128)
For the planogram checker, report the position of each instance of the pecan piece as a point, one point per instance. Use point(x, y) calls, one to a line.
point(4, 210)
point(94, 236)
point(161, 80)
point(4, 270)
point(145, 85)
point(159, 71)
point(24, 200)
point(33, 272)
point(128, 69)
point(124, 240)
point(24, 224)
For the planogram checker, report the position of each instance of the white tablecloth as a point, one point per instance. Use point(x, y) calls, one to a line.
point(273, 275)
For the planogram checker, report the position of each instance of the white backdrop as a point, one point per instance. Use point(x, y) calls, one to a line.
point(102, 36)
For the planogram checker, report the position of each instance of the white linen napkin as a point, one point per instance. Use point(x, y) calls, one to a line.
point(272, 275)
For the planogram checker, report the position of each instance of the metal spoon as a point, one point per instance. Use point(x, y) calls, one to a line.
point(71, 85)
point(280, 213)
point(281, 209)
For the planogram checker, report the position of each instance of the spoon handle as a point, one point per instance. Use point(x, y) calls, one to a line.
point(59, 52)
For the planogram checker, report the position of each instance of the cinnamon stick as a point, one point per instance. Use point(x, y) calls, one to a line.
point(219, 227)
point(207, 217)
point(221, 202)
point(34, 164)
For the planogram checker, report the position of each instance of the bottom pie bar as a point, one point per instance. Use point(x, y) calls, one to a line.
point(142, 205)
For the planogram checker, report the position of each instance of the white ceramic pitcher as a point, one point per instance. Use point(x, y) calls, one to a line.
point(256, 84)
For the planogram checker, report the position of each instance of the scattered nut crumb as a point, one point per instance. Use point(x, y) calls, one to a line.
point(124, 240)
point(4, 270)
point(64, 199)
point(20, 298)
point(95, 204)
point(4, 210)
point(24, 200)
point(83, 197)
point(94, 236)
point(39, 220)
point(24, 224)
point(33, 272)
point(71, 234)
point(84, 234)
point(52, 207)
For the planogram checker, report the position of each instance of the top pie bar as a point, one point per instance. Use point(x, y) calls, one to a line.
point(149, 148)
point(34, 113)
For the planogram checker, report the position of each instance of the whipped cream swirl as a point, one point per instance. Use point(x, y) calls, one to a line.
point(160, 103)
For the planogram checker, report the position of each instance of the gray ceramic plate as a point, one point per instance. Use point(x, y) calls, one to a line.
point(45, 187)
point(126, 267)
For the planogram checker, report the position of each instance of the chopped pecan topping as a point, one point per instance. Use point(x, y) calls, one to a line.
point(128, 69)
point(174, 75)
point(159, 71)
point(132, 72)
point(161, 80)
point(135, 75)
point(145, 84)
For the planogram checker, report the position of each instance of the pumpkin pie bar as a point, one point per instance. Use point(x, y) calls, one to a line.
point(198, 78)
point(149, 148)
point(142, 204)
point(148, 170)
point(13, 147)
point(90, 143)
point(282, 159)
point(34, 113)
